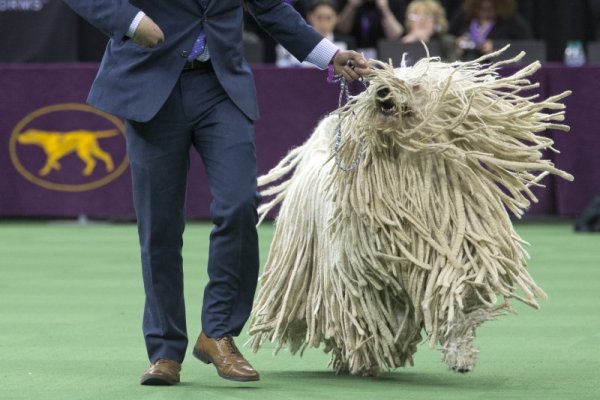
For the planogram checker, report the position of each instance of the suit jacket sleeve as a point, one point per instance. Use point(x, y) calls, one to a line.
point(285, 25)
point(112, 17)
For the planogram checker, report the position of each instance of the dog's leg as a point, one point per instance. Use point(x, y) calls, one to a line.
point(102, 155)
point(456, 338)
point(458, 351)
point(338, 362)
point(360, 363)
point(84, 154)
point(51, 163)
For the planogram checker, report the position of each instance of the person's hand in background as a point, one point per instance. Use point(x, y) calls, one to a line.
point(383, 5)
point(487, 47)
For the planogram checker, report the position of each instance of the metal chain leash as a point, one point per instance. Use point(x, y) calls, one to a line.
point(344, 93)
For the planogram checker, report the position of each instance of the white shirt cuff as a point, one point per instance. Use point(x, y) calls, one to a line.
point(322, 54)
point(134, 24)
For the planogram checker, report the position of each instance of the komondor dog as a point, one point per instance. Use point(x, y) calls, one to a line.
point(394, 218)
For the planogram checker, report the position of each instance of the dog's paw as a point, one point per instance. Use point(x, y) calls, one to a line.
point(460, 356)
point(463, 369)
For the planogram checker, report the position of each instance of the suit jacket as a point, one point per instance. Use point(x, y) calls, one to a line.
point(134, 82)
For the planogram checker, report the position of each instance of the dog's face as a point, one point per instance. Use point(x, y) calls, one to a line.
point(394, 104)
point(392, 109)
point(431, 106)
point(30, 136)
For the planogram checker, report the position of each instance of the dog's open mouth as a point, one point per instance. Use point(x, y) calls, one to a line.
point(385, 103)
point(387, 107)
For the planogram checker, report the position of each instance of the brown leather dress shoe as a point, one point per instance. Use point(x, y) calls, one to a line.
point(162, 372)
point(226, 357)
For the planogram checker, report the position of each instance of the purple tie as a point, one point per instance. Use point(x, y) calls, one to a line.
point(200, 42)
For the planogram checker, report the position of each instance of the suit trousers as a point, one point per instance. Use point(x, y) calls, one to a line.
point(198, 114)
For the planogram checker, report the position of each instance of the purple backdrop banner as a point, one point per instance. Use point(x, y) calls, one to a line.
point(60, 158)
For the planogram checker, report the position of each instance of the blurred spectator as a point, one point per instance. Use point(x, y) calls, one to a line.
point(300, 5)
point(371, 20)
point(254, 48)
point(426, 21)
point(269, 44)
point(322, 15)
point(483, 21)
point(452, 7)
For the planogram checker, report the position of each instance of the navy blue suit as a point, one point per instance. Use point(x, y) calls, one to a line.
point(167, 112)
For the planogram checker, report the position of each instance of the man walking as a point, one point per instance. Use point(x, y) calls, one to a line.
point(175, 71)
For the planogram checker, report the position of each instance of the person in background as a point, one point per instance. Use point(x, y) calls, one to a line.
point(451, 7)
point(371, 20)
point(321, 15)
point(253, 30)
point(426, 21)
point(483, 21)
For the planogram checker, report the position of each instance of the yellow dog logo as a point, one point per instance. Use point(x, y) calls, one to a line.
point(67, 133)
point(57, 145)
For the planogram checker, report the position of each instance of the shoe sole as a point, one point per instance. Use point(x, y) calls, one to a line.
point(206, 360)
point(158, 380)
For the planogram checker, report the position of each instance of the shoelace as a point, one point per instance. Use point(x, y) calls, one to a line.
point(230, 344)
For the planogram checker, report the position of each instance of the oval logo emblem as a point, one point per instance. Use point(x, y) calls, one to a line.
point(69, 147)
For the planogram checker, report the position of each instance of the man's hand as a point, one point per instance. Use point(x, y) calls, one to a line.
point(148, 34)
point(353, 70)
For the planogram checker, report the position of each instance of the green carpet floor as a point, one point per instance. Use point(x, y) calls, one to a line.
point(70, 316)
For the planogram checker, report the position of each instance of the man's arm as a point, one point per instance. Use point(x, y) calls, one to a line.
point(113, 17)
point(117, 19)
point(282, 22)
point(285, 25)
